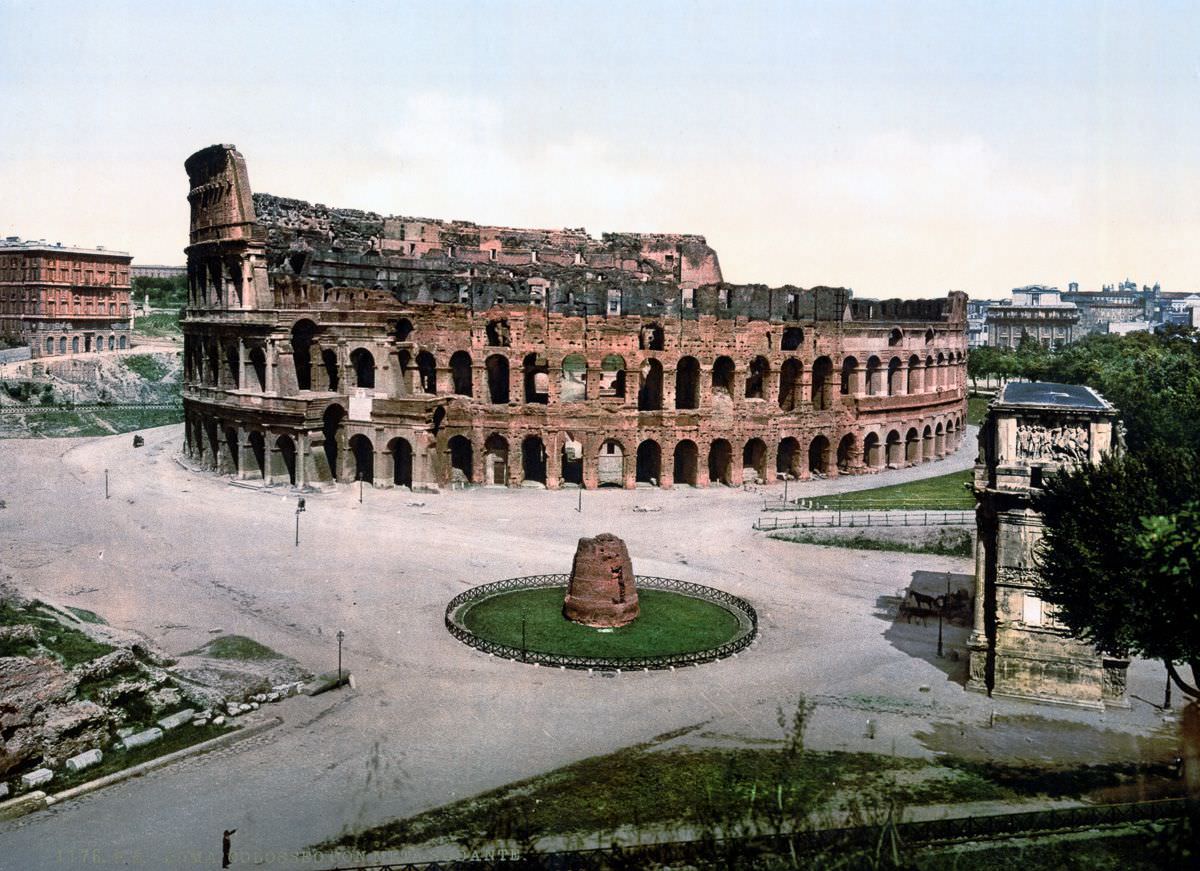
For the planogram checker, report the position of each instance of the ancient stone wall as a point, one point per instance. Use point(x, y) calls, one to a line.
point(447, 365)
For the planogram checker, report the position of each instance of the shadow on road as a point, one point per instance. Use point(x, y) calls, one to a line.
point(913, 612)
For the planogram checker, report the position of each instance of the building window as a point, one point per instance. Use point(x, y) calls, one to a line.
point(688, 298)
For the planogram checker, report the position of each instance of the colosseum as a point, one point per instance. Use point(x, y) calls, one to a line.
point(331, 345)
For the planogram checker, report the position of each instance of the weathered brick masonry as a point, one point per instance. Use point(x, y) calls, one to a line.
point(327, 344)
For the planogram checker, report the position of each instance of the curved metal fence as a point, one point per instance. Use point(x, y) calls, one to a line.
point(742, 609)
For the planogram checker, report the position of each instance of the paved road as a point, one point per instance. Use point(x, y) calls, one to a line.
point(175, 554)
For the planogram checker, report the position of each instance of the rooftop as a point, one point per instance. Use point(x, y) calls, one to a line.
point(1043, 393)
point(15, 243)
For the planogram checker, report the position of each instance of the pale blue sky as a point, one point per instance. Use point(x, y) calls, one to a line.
point(897, 148)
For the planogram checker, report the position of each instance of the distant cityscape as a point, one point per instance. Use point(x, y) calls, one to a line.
point(1053, 318)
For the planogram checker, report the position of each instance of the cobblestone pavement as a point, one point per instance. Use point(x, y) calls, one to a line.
point(175, 555)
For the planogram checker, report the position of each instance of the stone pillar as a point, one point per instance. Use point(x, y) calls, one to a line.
point(272, 363)
point(243, 365)
point(443, 382)
point(553, 460)
point(927, 447)
point(977, 644)
point(878, 385)
point(858, 381)
point(516, 383)
point(633, 383)
point(739, 386)
point(668, 389)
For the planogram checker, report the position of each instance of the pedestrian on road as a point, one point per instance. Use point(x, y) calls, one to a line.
point(225, 840)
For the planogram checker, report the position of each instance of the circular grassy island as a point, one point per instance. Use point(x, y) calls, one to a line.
point(679, 624)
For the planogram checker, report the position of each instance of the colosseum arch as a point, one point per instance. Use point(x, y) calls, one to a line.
point(650, 337)
point(939, 440)
point(789, 384)
point(460, 373)
point(912, 447)
point(462, 460)
point(533, 459)
point(404, 330)
point(303, 331)
point(495, 460)
point(329, 362)
point(895, 450)
point(793, 337)
point(754, 457)
point(427, 372)
point(756, 379)
point(536, 378)
point(572, 386)
point(612, 376)
point(258, 452)
point(895, 377)
point(787, 458)
point(913, 384)
point(364, 458)
point(845, 453)
point(363, 363)
point(849, 366)
point(874, 377)
point(822, 384)
point(610, 464)
point(872, 451)
point(722, 376)
point(496, 367)
point(819, 459)
point(285, 448)
point(402, 461)
point(650, 391)
point(332, 422)
point(720, 462)
point(686, 462)
point(687, 383)
point(649, 463)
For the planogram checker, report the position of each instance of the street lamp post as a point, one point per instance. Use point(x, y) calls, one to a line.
point(340, 636)
point(106, 483)
point(360, 485)
point(299, 509)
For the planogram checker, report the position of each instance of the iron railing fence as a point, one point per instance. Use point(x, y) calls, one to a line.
point(742, 609)
point(919, 833)
point(865, 518)
point(96, 406)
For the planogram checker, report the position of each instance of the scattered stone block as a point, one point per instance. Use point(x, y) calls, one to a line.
point(200, 721)
point(125, 731)
point(86, 759)
point(175, 720)
point(254, 706)
point(218, 721)
point(233, 709)
point(36, 778)
point(3, 790)
point(141, 739)
point(244, 708)
point(272, 697)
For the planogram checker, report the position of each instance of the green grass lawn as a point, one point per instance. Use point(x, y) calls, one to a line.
point(976, 409)
point(66, 423)
point(66, 644)
point(943, 493)
point(146, 366)
point(158, 324)
point(669, 623)
point(237, 647)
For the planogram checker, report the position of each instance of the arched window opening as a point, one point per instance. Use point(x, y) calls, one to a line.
point(895, 450)
point(895, 377)
point(913, 384)
point(258, 362)
point(912, 447)
point(872, 451)
point(573, 386)
point(722, 376)
point(497, 378)
point(537, 379)
point(822, 384)
point(756, 380)
point(329, 361)
point(650, 391)
point(720, 462)
point(498, 335)
point(789, 384)
point(427, 372)
point(849, 365)
point(258, 450)
point(612, 376)
point(895, 337)
point(687, 383)
point(302, 339)
point(572, 462)
point(793, 337)
point(649, 463)
point(650, 338)
point(404, 329)
point(363, 362)
point(460, 373)
point(233, 364)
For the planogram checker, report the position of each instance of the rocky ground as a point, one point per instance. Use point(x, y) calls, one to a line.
point(71, 684)
point(142, 376)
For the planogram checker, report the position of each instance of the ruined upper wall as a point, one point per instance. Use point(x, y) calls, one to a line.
point(219, 195)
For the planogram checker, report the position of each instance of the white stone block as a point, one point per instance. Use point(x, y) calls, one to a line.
point(218, 721)
point(86, 759)
point(141, 739)
point(245, 708)
point(233, 709)
point(125, 731)
point(176, 720)
point(3, 790)
point(200, 721)
point(254, 706)
point(36, 778)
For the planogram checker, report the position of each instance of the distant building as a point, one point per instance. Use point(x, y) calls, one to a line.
point(158, 271)
point(1114, 304)
point(61, 300)
point(1037, 312)
point(1017, 647)
point(977, 333)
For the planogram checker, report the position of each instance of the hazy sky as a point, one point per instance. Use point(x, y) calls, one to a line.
point(897, 148)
